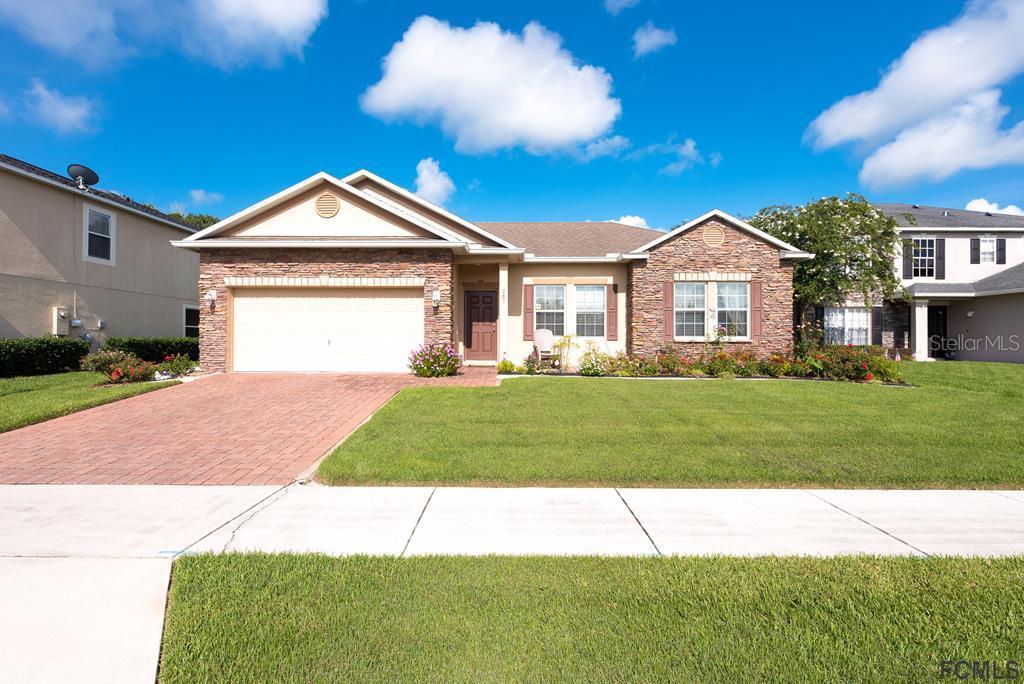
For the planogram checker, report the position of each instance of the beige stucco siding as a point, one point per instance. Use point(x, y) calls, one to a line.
point(41, 266)
point(959, 268)
point(486, 277)
point(995, 331)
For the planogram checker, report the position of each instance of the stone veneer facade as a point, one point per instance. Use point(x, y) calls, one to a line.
point(740, 252)
point(434, 265)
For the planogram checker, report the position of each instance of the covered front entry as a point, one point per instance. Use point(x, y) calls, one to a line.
point(356, 330)
point(481, 325)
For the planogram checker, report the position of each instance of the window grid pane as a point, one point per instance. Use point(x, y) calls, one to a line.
point(99, 247)
point(733, 300)
point(924, 257)
point(849, 325)
point(690, 309)
point(551, 320)
point(988, 250)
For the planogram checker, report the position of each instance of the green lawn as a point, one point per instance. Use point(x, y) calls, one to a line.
point(28, 400)
point(311, 618)
point(959, 426)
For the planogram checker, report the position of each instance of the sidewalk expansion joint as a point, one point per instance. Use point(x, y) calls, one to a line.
point(416, 526)
point(251, 510)
point(869, 524)
point(644, 529)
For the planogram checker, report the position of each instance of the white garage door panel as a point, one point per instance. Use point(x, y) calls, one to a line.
point(351, 330)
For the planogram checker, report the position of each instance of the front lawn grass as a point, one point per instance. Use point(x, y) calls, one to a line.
point(28, 400)
point(958, 427)
point(263, 618)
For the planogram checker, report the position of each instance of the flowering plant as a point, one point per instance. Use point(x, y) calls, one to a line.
point(179, 364)
point(434, 361)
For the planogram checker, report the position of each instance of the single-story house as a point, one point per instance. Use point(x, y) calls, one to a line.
point(351, 274)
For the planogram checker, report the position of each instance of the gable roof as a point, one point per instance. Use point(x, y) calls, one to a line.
point(791, 252)
point(474, 227)
point(314, 180)
point(572, 238)
point(918, 216)
point(23, 168)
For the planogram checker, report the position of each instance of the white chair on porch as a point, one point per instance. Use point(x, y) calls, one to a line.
point(543, 342)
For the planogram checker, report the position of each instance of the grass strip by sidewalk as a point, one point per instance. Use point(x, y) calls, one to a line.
point(959, 427)
point(260, 618)
point(28, 400)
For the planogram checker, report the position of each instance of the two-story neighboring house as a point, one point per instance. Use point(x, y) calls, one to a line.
point(964, 289)
point(88, 262)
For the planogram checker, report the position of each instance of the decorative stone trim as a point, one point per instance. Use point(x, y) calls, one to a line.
point(712, 276)
point(323, 281)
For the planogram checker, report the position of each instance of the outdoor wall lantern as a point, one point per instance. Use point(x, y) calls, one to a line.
point(435, 299)
point(211, 297)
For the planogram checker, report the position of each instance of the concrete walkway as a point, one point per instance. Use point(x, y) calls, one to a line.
point(84, 568)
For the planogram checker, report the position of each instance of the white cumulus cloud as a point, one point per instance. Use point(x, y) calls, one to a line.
point(63, 113)
point(200, 197)
point(611, 146)
point(227, 33)
point(616, 6)
point(632, 220)
point(982, 204)
point(969, 137)
point(684, 155)
point(491, 89)
point(433, 184)
point(649, 38)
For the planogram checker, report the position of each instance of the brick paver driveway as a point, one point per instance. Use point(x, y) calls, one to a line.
point(236, 428)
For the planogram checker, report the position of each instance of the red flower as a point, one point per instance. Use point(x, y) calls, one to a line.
point(863, 365)
point(168, 357)
point(869, 377)
point(115, 374)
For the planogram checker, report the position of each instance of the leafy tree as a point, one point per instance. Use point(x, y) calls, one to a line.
point(854, 245)
point(197, 221)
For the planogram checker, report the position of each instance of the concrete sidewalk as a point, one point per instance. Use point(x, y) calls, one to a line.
point(84, 568)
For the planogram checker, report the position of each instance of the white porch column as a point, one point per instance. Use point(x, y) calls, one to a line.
point(503, 297)
point(919, 330)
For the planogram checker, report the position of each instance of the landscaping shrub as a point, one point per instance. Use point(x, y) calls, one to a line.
point(176, 365)
point(435, 361)
point(155, 349)
point(40, 355)
point(852, 363)
point(106, 360)
point(594, 363)
point(506, 367)
point(133, 370)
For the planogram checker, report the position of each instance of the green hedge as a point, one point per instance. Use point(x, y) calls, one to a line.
point(40, 355)
point(155, 349)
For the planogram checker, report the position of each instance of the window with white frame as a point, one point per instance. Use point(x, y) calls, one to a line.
point(191, 321)
point(590, 308)
point(690, 309)
point(549, 308)
point(733, 301)
point(924, 257)
point(988, 250)
point(98, 236)
point(847, 325)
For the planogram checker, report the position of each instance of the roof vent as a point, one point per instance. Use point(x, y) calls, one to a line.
point(916, 206)
point(988, 213)
point(327, 205)
point(713, 235)
point(945, 212)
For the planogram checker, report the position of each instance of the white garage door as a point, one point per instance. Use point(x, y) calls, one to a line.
point(317, 329)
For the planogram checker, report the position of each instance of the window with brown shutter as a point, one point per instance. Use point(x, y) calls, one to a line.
point(527, 312)
point(756, 310)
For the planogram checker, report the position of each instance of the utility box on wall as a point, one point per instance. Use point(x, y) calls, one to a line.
point(61, 321)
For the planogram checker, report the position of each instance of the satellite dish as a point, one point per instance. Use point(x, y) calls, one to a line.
point(85, 176)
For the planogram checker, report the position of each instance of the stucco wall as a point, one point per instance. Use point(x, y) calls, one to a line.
point(959, 268)
point(41, 266)
point(994, 333)
point(435, 266)
point(687, 253)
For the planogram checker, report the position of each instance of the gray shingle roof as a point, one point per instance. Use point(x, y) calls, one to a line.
point(572, 238)
point(40, 172)
point(920, 288)
point(940, 217)
point(1010, 279)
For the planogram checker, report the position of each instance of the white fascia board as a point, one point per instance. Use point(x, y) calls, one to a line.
point(301, 187)
point(607, 259)
point(460, 247)
point(965, 295)
point(796, 256)
point(718, 213)
point(363, 173)
point(92, 197)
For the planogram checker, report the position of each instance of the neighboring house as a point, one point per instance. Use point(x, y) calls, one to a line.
point(352, 274)
point(964, 289)
point(88, 262)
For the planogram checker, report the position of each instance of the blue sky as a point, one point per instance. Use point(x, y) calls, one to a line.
point(164, 99)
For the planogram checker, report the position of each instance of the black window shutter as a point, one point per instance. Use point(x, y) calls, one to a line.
point(975, 250)
point(940, 259)
point(876, 325)
point(819, 317)
point(908, 260)
point(1001, 251)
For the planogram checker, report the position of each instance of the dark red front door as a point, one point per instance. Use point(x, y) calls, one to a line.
point(481, 325)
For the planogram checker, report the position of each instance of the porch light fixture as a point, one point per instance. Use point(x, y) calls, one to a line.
point(970, 314)
point(210, 297)
point(435, 299)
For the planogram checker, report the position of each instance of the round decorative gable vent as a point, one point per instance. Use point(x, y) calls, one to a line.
point(714, 236)
point(327, 205)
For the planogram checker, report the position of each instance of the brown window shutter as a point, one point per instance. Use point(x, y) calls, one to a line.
point(668, 310)
point(611, 314)
point(527, 312)
point(756, 310)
